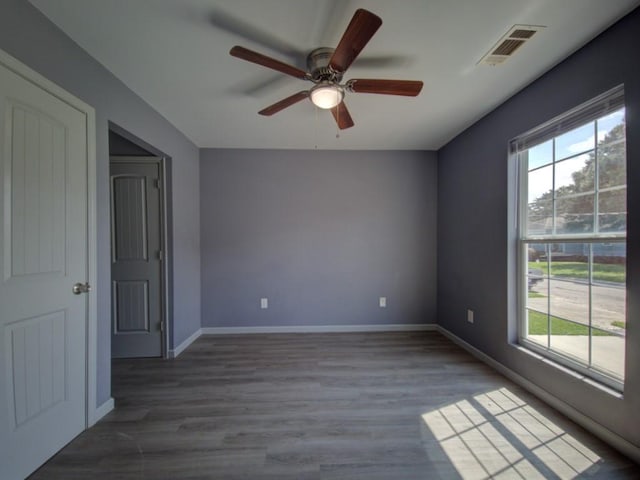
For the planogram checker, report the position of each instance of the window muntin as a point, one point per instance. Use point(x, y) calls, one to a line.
point(572, 238)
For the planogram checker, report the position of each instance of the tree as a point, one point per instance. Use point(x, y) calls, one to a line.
point(575, 202)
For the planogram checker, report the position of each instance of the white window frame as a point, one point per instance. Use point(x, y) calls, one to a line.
point(596, 108)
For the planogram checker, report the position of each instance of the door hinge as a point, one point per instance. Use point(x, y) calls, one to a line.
point(159, 254)
point(156, 183)
point(161, 325)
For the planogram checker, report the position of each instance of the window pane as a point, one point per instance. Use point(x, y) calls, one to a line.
point(540, 155)
point(575, 175)
point(574, 214)
point(537, 302)
point(569, 315)
point(608, 300)
point(538, 327)
point(540, 184)
point(608, 123)
point(608, 291)
point(537, 278)
point(569, 301)
point(612, 211)
point(537, 254)
point(537, 286)
point(540, 212)
point(612, 165)
point(540, 218)
point(569, 339)
point(607, 304)
point(576, 141)
point(569, 261)
point(610, 263)
point(608, 351)
point(537, 272)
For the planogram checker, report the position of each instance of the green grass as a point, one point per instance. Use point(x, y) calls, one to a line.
point(538, 325)
point(619, 324)
point(536, 295)
point(601, 271)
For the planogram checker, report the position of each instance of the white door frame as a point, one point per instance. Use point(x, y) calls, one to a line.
point(92, 413)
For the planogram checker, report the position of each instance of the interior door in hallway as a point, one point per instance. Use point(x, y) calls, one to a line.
point(136, 257)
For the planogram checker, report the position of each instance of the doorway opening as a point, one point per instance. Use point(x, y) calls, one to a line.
point(141, 253)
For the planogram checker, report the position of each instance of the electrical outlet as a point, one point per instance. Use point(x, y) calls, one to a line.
point(383, 302)
point(470, 316)
point(264, 303)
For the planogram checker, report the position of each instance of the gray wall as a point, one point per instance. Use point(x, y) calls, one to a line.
point(475, 228)
point(321, 234)
point(27, 35)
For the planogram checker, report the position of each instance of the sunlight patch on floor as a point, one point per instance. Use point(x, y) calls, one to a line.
point(498, 435)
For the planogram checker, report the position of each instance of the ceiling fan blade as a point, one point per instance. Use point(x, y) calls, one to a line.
point(255, 57)
point(360, 30)
point(284, 103)
point(342, 116)
point(237, 26)
point(408, 88)
point(260, 85)
point(384, 61)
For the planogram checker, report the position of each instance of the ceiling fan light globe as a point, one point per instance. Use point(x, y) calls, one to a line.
point(326, 96)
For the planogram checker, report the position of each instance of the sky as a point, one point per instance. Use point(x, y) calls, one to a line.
point(571, 151)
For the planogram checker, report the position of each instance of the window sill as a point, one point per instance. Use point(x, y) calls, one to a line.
point(568, 371)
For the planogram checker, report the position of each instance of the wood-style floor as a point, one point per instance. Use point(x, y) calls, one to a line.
point(392, 406)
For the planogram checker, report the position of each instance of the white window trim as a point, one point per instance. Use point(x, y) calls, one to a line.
point(589, 111)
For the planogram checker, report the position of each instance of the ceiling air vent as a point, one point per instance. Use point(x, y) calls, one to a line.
point(509, 44)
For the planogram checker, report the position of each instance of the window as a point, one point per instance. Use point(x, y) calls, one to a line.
point(572, 222)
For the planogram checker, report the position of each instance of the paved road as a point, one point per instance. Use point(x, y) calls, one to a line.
point(570, 300)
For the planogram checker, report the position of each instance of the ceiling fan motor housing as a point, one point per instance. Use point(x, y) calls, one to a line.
point(318, 66)
point(326, 67)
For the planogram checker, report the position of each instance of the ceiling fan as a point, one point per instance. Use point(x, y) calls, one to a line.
point(326, 68)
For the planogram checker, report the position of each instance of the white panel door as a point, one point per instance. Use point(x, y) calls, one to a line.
point(43, 253)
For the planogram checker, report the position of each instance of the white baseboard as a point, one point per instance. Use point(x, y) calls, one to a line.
point(613, 439)
point(182, 347)
point(318, 329)
point(298, 329)
point(101, 411)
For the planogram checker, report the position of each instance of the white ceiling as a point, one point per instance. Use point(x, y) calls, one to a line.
point(174, 54)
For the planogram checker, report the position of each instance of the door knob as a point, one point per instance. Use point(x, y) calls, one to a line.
point(79, 288)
